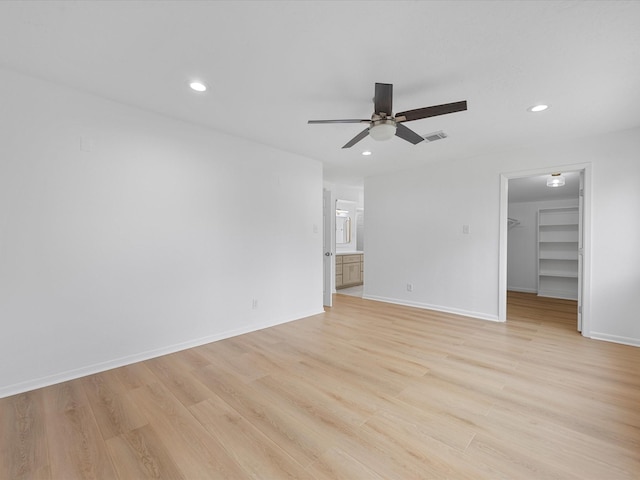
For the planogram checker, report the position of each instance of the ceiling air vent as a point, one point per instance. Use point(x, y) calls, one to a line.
point(432, 137)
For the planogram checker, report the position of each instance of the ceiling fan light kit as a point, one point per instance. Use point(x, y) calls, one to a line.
point(382, 130)
point(383, 125)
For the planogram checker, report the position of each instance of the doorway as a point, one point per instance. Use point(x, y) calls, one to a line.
point(349, 259)
point(547, 258)
point(357, 290)
point(349, 199)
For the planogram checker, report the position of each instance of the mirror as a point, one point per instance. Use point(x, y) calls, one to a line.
point(343, 226)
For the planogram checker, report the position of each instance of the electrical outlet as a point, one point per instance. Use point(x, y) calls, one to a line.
point(254, 304)
point(409, 287)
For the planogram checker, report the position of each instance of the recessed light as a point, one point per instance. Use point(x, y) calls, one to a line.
point(366, 153)
point(538, 108)
point(198, 86)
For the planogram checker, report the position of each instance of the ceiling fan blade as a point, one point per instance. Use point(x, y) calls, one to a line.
point(434, 111)
point(357, 138)
point(348, 120)
point(408, 134)
point(383, 100)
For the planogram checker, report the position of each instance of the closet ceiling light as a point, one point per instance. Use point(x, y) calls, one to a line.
point(198, 86)
point(538, 108)
point(555, 180)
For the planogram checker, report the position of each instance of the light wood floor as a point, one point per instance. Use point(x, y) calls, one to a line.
point(365, 391)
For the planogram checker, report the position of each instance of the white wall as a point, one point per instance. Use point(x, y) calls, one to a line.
point(347, 192)
point(157, 239)
point(522, 251)
point(422, 242)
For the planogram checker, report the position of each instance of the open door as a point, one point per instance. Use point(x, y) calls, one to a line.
point(580, 247)
point(327, 248)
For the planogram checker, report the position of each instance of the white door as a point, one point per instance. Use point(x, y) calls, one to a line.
point(580, 247)
point(327, 248)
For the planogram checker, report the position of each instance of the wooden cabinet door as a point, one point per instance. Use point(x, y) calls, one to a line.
point(351, 273)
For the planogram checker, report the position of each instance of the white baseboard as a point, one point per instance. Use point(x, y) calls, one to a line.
point(33, 384)
point(438, 308)
point(634, 342)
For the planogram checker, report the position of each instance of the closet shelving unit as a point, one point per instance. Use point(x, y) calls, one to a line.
point(558, 230)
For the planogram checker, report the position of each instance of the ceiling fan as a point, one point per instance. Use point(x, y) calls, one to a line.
point(383, 125)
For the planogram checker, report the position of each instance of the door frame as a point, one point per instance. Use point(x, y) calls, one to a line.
point(328, 247)
point(585, 283)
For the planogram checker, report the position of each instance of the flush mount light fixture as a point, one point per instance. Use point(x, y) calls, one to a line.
point(538, 108)
point(198, 86)
point(366, 153)
point(555, 180)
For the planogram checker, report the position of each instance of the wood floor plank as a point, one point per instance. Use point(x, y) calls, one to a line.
point(411, 449)
point(320, 401)
point(513, 462)
point(77, 449)
point(337, 464)
point(23, 446)
point(134, 376)
point(141, 453)
point(244, 365)
point(560, 442)
point(286, 427)
point(194, 451)
point(257, 455)
point(112, 408)
point(176, 374)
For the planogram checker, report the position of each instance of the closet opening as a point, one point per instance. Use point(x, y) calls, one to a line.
point(542, 245)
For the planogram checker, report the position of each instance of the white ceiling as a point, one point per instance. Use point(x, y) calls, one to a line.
point(271, 66)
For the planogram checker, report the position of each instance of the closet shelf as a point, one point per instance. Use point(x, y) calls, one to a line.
point(558, 242)
point(558, 274)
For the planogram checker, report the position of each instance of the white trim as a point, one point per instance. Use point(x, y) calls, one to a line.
point(328, 246)
point(586, 248)
point(437, 308)
point(586, 228)
point(138, 357)
point(502, 253)
point(634, 342)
